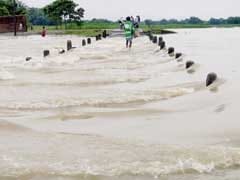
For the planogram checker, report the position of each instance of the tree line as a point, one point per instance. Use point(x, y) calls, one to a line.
point(195, 20)
point(7, 8)
point(56, 13)
point(67, 11)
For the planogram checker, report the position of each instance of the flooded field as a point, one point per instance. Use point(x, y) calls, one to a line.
point(104, 112)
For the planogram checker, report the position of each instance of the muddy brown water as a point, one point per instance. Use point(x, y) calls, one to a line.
point(104, 112)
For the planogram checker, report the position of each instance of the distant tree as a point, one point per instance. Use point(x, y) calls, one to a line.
point(101, 20)
point(148, 22)
point(4, 11)
point(214, 21)
point(64, 10)
point(2, 3)
point(21, 8)
point(194, 20)
point(77, 16)
point(173, 21)
point(222, 21)
point(233, 20)
point(7, 7)
point(36, 16)
point(164, 21)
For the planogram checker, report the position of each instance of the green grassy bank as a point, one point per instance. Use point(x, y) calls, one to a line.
point(94, 28)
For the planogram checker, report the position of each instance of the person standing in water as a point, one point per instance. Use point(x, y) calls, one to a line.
point(129, 32)
point(137, 21)
point(44, 32)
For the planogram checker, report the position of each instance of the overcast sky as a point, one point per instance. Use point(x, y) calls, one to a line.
point(153, 9)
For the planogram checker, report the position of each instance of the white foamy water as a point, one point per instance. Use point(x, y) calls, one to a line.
point(104, 112)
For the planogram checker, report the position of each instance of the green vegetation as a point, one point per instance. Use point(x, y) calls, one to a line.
point(174, 26)
point(83, 28)
point(95, 25)
point(4, 11)
point(89, 28)
point(64, 11)
point(65, 16)
point(7, 8)
point(36, 16)
point(195, 21)
point(61, 30)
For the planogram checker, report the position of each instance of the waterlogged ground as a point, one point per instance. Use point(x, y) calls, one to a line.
point(104, 112)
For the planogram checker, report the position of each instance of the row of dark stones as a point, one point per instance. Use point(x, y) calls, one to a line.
point(85, 42)
point(211, 77)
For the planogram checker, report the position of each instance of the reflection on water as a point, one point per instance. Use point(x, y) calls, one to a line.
point(104, 112)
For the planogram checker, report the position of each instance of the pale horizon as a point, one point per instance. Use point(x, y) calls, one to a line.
point(152, 9)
